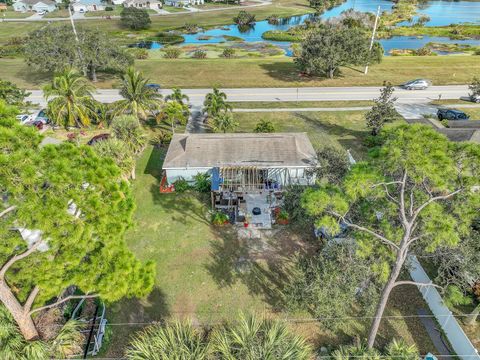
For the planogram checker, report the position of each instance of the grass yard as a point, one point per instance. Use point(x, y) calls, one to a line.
point(117, 9)
point(174, 9)
point(268, 72)
point(63, 13)
point(299, 104)
point(474, 112)
point(345, 128)
point(196, 276)
point(12, 14)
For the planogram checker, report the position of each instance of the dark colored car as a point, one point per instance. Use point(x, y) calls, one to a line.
point(451, 114)
point(98, 138)
point(155, 87)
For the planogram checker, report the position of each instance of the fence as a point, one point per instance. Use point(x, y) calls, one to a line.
point(457, 338)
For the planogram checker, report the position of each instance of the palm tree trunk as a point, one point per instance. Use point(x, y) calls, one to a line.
point(93, 73)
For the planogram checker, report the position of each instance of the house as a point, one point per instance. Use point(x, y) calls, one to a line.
point(83, 6)
point(183, 3)
point(143, 4)
point(248, 172)
point(35, 5)
point(118, 2)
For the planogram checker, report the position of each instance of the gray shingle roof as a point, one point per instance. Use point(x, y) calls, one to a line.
point(262, 150)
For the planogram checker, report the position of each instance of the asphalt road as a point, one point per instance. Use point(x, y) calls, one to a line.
point(296, 94)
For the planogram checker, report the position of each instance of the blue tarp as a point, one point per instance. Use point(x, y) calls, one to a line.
point(216, 179)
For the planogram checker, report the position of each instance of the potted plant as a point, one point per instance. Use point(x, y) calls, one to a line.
point(282, 217)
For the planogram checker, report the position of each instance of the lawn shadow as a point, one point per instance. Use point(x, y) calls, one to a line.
point(128, 316)
point(155, 162)
point(188, 205)
point(264, 266)
point(31, 76)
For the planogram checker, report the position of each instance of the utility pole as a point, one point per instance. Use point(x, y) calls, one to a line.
point(373, 36)
point(76, 39)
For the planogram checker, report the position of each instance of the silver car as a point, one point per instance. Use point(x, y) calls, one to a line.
point(417, 84)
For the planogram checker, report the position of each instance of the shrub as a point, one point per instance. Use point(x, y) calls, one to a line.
point(228, 53)
point(219, 218)
point(138, 53)
point(181, 185)
point(199, 54)
point(273, 20)
point(244, 18)
point(167, 38)
point(172, 52)
point(444, 122)
point(162, 138)
point(190, 28)
point(264, 126)
point(202, 183)
point(109, 8)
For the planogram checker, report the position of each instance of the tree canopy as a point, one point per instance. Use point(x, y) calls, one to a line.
point(80, 208)
point(54, 47)
point(11, 93)
point(135, 19)
point(328, 47)
point(414, 192)
point(383, 111)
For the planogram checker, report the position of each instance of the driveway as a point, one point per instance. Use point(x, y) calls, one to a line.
point(416, 111)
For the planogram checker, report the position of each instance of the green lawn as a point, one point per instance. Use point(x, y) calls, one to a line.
point(345, 128)
point(270, 72)
point(299, 104)
point(117, 9)
point(12, 14)
point(173, 9)
point(473, 112)
point(63, 13)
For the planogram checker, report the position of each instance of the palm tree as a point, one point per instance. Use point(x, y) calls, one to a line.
point(173, 341)
point(400, 350)
point(215, 102)
point(14, 347)
point(139, 99)
point(258, 338)
point(70, 100)
point(177, 96)
point(174, 113)
point(127, 129)
point(120, 153)
point(223, 122)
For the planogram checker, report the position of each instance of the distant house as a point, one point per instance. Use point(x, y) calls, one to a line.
point(249, 172)
point(143, 4)
point(183, 3)
point(35, 5)
point(3, 7)
point(83, 6)
point(118, 2)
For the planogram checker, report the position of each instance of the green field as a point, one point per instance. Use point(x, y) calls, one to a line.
point(299, 104)
point(269, 72)
point(12, 14)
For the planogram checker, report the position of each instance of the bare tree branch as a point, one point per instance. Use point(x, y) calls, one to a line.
point(7, 210)
point(385, 184)
point(402, 200)
point(364, 229)
point(406, 282)
point(411, 201)
point(431, 200)
point(71, 297)
point(31, 298)
point(390, 196)
point(16, 258)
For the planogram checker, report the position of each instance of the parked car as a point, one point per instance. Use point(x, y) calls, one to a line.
point(24, 118)
point(155, 87)
point(475, 98)
point(451, 114)
point(98, 138)
point(417, 84)
point(42, 116)
point(42, 12)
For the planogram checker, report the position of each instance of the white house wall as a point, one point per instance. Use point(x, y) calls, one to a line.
point(187, 174)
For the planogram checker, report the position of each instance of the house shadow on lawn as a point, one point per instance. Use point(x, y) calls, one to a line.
point(263, 265)
point(155, 162)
